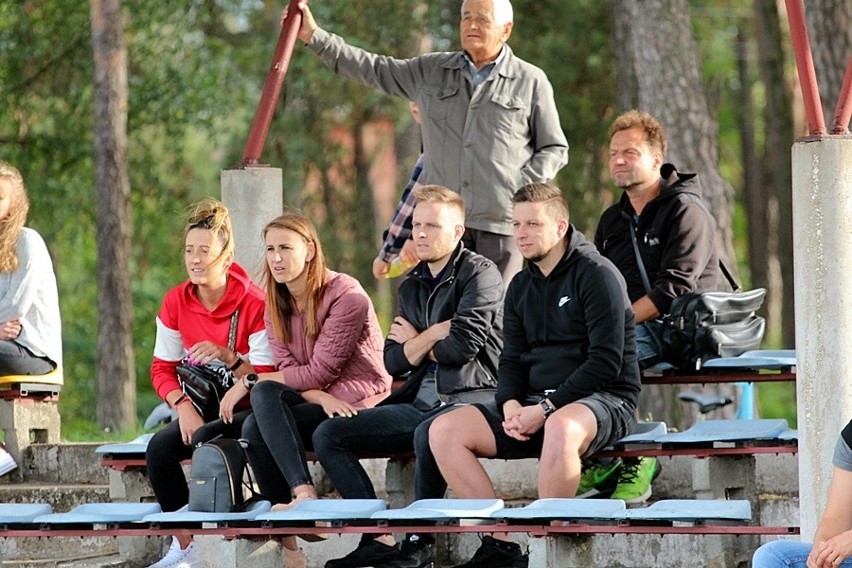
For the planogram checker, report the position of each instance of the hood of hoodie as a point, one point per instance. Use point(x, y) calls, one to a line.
point(238, 285)
point(576, 242)
point(683, 183)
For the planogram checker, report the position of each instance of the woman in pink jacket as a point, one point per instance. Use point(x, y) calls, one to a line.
point(327, 346)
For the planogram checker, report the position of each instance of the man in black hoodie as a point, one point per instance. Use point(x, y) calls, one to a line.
point(661, 218)
point(568, 381)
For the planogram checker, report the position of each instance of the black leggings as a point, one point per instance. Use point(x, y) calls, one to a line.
point(278, 433)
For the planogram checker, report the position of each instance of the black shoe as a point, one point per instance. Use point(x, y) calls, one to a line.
point(493, 555)
point(369, 553)
point(414, 553)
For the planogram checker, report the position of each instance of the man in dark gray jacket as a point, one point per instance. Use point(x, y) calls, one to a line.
point(489, 119)
point(446, 340)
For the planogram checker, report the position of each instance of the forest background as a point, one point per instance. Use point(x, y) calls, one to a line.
point(194, 70)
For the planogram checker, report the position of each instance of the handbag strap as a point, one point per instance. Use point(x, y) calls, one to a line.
point(232, 331)
point(647, 283)
point(734, 286)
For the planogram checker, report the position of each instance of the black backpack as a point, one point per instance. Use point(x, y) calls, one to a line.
point(216, 477)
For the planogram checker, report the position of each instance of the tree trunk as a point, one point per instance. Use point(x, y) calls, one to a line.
point(777, 167)
point(655, 48)
point(116, 377)
point(830, 30)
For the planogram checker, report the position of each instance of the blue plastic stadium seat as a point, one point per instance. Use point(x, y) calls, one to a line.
point(101, 513)
point(564, 509)
point(327, 510)
point(644, 433)
point(136, 446)
point(690, 510)
point(184, 515)
point(728, 431)
point(22, 512)
point(790, 435)
point(443, 509)
point(658, 369)
point(788, 355)
point(755, 360)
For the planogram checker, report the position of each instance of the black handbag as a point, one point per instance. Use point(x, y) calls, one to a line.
point(707, 325)
point(206, 385)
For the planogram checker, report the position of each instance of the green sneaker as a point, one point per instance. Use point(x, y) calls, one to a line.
point(598, 479)
point(635, 478)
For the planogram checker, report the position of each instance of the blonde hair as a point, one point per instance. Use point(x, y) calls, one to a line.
point(12, 225)
point(654, 131)
point(440, 194)
point(213, 216)
point(279, 301)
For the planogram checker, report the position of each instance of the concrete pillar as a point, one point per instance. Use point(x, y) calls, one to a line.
point(26, 421)
point(254, 196)
point(822, 244)
point(399, 482)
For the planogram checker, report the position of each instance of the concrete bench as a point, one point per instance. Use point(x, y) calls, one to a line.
point(29, 410)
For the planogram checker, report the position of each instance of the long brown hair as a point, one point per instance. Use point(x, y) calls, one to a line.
point(279, 301)
point(212, 215)
point(13, 223)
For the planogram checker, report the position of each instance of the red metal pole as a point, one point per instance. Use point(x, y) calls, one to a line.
point(805, 67)
point(274, 81)
point(843, 112)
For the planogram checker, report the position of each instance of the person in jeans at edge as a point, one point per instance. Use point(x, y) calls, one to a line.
point(194, 324)
point(446, 339)
point(832, 545)
point(675, 234)
point(489, 119)
point(568, 381)
point(327, 346)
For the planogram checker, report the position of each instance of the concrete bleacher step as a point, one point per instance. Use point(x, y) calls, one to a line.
point(63, 463)
point(61, 551)
point(61, 497)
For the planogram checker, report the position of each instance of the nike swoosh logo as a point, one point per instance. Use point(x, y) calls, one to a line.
point(564, 300)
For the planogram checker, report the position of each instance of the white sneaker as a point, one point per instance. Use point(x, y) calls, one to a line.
point(7, 463)
point(178, 557)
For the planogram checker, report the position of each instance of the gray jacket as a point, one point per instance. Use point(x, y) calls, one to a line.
point(484, 143)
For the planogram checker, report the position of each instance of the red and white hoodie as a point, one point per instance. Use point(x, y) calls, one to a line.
point(183, 321)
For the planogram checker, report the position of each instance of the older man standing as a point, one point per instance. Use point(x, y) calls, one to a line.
point(489, 119)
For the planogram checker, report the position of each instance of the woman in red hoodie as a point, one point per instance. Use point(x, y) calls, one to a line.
point(195, 325)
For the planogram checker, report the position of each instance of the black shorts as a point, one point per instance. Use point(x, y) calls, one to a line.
point(615, 416)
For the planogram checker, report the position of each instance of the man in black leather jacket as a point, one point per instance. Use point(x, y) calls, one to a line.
point(446, 341)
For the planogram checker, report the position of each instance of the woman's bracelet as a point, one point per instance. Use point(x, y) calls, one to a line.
point(180, 400)
point(236, 364)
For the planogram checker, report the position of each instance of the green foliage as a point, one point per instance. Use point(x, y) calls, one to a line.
point(196, 70)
